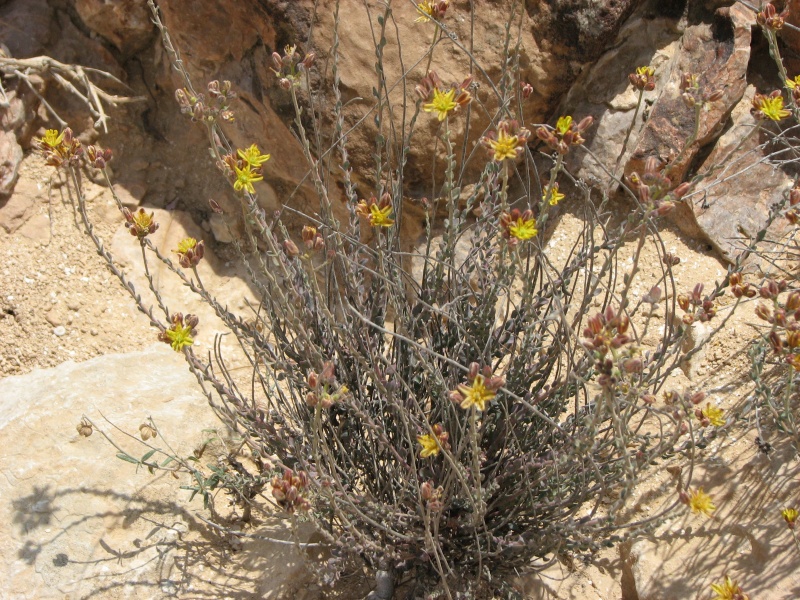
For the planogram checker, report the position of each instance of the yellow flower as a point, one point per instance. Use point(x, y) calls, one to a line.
point(555, 196)
point(179, 335)
point(140, 223)
point(770, 107)
point(185, 245)
point(252, 156)
point(563, 125)
point(52, 138)
point(476, 395)
point(645, 71)
point(790, 516)
point(431, 9)
point(376, 212)
point(430, 445)
point(523, 229)
point(700, 502)
point(728, 590)
point(245, 179)
point(379, 217)
point(714, 415)
point(505, 146)
point(793, 83)
point(442, 103)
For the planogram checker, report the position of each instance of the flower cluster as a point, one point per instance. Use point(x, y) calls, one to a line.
point(698, 501)
point(432, 496)
point(432, 9)
point(325, 392)
point(216, 107)
point(507, 142)
point(98, 158)
point(728, 590)
point(190, 252)
point(433, 442)
point(694, 96)
point(443, 102)
point(481, 389)
point(59, 149)
point(655, 189)
point(312, 239)
point(606, 337)
point(244, 169)
point(565, 134)
point(696, 306)
point(784, 338)
point(771, 19)
point(378, 213)
point(140, 223)
point(643, 79)
point(739, 288)
point(287, 491)
point(769, 108)
point(180, 333)
point(518, 226)
point(288, 68)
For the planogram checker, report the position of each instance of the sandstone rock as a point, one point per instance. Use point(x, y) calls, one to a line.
point(80, 523)
point(125, 23)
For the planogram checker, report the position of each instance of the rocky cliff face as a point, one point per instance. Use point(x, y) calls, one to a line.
point(575, 54)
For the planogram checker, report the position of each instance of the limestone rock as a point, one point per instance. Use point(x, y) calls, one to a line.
point(77, 522)
point(227, 282)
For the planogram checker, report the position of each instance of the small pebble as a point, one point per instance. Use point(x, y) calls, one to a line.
point(60, 330)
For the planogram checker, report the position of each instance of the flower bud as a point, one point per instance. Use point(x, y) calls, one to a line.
point(290, 248)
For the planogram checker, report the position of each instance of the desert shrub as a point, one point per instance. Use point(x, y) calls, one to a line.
point(457, 408)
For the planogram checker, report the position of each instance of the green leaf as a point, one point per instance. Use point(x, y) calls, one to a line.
point(166, 462)
point(127, 458)
point(149, 454)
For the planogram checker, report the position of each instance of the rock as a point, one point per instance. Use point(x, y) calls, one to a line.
point(221, 228)
point(77, 522)
point(125, 23)
point(718, 53)
point(227, 283)
point(17, 209)
point(37, 228)
point(10, 157)
point(59, 331)
point(26, 27)
point(744, 539)
point(731, 212)
point(605, 92)
point(54, 317)
point(584, 27)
